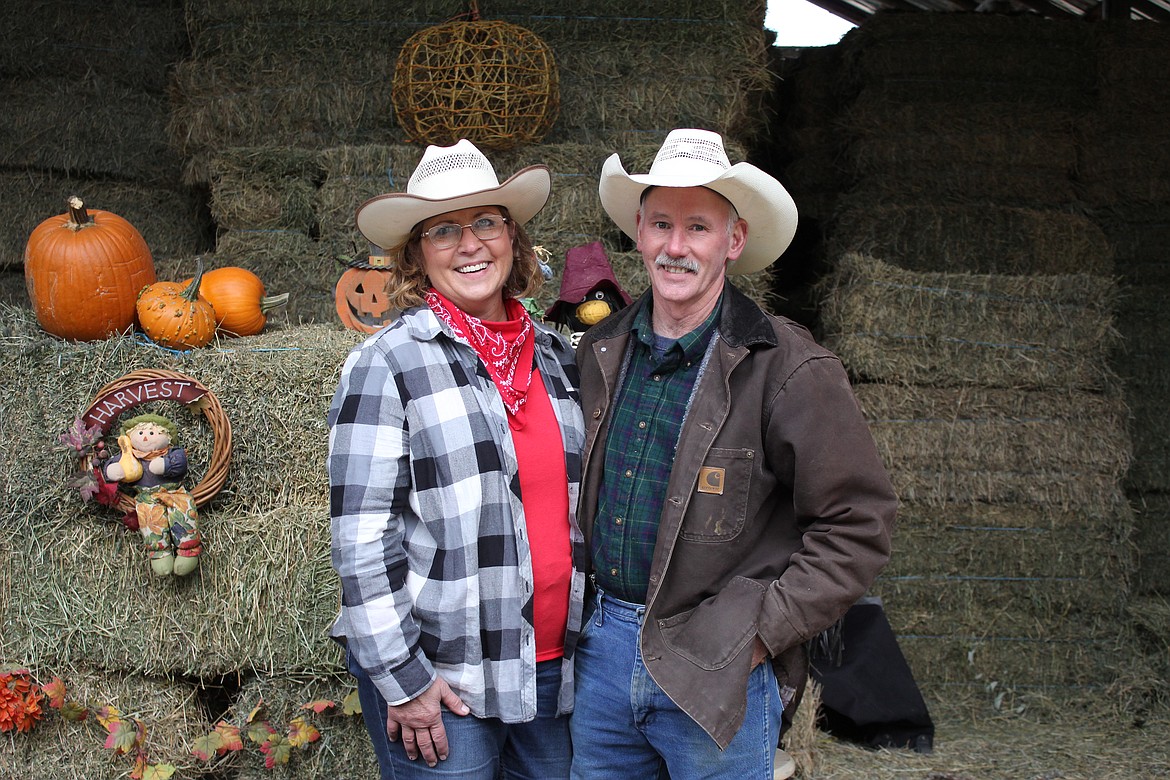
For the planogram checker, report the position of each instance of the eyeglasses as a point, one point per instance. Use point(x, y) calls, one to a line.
point(447, 234)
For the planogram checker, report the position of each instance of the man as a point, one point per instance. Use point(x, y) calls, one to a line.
point(733, 502)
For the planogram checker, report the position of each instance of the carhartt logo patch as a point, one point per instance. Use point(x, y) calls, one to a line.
point(711, 480)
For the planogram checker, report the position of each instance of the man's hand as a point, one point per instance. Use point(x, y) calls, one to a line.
point(759, 652)
point(420, 722)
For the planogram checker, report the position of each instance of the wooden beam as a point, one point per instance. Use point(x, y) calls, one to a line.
point(846, 11)
point(1152, 10)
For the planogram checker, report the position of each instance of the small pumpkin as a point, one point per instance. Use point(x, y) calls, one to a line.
point(83, 270)
point(363, 303)
point(237, 294)
point(175, 315)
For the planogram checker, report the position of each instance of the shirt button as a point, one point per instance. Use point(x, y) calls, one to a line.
point(596, 414)
point(657, 378)
point(617, 521)
point(613, 572)
point(642, 424)
point(629, 473)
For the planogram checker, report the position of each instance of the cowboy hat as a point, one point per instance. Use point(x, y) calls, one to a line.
point(695, 158)
point(449, 178)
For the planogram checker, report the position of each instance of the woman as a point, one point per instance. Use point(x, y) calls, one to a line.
point(454, 464)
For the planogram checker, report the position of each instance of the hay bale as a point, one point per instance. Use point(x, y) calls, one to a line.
point(1013, 542)
point(169, 218)
point(947, 329)
point(59, 750)
point(86, 127)
point(265, 592)
point(973, 238)
point(1019, 671)
point(344, 750)
point(130, 42)
point(970, 57)
point(264, 188)
point(962, 445)
point(1120, 166)
point(611, 84)
point(1152, 539)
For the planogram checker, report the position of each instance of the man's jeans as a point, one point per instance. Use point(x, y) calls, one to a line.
point(625, 726)
point(481, 748)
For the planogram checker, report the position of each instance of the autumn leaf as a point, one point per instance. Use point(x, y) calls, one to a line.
point(207, 746)
point(277, 750)
point(55, 691)
point(108, 716)
point(124, 736)
point(260, 732)
point(231, 737)
point(158, 772)
point(79, 438)
point(320, 706)
point(139, 767)
point(257, 712)
point(301, 732)
point(352, 703)
point(74, 712)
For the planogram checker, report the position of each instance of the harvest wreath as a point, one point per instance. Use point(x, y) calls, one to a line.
point(150, 463)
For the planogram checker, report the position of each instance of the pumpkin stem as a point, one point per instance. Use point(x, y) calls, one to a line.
point(272, 301)
point(192, 291)
point(78, 216)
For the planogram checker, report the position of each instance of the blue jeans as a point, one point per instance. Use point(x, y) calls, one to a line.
point(625, 726)
point(480, 748)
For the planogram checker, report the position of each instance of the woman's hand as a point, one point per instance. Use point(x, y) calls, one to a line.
point(420, 722)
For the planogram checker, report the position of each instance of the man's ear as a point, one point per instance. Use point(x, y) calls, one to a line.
point(739, 235)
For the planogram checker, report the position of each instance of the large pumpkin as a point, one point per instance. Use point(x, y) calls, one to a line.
point(176, 316)
point(83, 270)
point(362, 300)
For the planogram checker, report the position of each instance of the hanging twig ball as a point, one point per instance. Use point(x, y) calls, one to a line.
point(491, 82)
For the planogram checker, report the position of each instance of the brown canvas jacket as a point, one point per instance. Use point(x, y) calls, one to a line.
point(778, 514)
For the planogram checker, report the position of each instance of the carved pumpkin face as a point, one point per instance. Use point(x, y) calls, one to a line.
point(362, 302)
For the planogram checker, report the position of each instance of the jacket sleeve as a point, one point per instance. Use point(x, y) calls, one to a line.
point(843, 503)
point(369, 491)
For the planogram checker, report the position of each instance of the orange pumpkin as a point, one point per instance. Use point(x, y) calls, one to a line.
point(176, 316)
point(362, 300)
point(237, 294)
point(83, 271)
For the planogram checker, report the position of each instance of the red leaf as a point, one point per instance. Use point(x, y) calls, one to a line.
point(231, 737)
point(56, 693)
point(320, 705)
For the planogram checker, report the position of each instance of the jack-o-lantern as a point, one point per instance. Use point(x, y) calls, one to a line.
point(363, 303)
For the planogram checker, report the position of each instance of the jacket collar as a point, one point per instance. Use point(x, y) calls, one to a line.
point(741, 323)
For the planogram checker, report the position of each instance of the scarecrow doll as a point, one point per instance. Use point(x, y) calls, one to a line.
point(167, 516)
point(589, 291)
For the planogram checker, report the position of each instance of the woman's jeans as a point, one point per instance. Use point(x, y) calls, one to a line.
point(625, 726)
point(480, 748)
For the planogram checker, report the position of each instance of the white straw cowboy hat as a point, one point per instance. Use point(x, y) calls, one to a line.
point(695, 158)
point(449, 178)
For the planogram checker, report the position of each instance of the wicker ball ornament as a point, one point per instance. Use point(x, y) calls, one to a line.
point(491, 82)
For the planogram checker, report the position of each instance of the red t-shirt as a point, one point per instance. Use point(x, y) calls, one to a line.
point(545, 489)
point(544, 486)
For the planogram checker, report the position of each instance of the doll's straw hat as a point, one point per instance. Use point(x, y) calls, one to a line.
point(449, 178)
point(696, 158)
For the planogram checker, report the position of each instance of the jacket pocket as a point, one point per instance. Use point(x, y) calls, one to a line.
point(712, 634)
point(718, 504)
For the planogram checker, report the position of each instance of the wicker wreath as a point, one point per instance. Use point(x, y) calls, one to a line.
point(491, 82)
point(221, 428)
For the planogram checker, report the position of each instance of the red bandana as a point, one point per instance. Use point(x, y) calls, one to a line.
point(508, 357)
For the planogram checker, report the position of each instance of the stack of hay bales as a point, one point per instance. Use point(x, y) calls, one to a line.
point(286, 104)
point(973, 305)
point(85, 113)
point(1125, 177)
point(79, 600)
